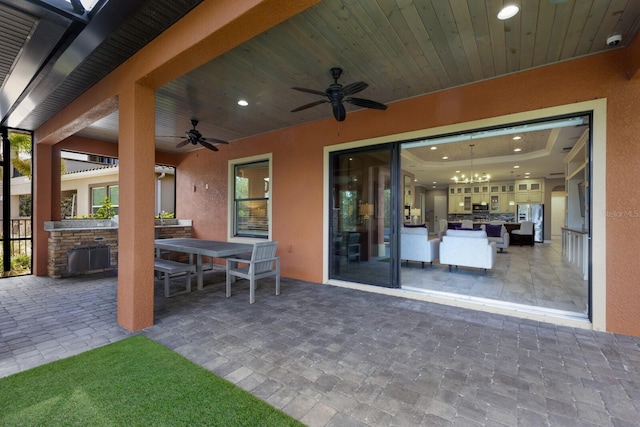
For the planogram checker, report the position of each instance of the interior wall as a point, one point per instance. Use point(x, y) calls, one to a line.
point(548, 205)
point(558, 205)
point(297, 186)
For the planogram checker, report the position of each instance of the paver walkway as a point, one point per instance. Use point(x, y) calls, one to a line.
point(338, 357)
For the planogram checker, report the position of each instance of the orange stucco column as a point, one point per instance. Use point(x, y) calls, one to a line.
point(136, 153)
point(43, 209)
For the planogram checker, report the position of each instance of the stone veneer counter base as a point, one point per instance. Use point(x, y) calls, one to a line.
point(67, 235)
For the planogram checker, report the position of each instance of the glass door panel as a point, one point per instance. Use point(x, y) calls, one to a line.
point(361, 216)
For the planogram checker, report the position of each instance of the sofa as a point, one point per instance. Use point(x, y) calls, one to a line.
point(497, 233)
point(467, 248)
point(416, 246)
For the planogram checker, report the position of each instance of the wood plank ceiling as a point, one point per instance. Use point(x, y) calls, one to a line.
point(400, 48)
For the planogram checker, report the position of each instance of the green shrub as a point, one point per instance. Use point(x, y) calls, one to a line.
point(106, 211)
point(20, 264)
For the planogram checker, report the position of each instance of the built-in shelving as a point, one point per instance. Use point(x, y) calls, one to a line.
point(577, 185)
point(575, 233)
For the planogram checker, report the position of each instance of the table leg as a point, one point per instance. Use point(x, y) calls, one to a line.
point(199, 271)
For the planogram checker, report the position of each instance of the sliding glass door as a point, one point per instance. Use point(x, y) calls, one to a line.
point(362, 214)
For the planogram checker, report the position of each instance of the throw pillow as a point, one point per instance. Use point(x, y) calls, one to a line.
point(493, 230)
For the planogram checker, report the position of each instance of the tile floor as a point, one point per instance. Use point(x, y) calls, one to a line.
point(333, 356)
point(536, 276)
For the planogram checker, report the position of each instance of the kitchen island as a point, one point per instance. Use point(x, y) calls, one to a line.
point(510, 226)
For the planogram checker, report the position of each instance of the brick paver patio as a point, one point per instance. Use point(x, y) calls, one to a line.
point(332, 356)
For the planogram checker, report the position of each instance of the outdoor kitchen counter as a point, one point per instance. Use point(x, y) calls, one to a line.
point(83, 246)
point(105, 224)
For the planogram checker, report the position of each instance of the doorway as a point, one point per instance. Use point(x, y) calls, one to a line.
point(361, 216)
point(491, 177)
point(440, 211)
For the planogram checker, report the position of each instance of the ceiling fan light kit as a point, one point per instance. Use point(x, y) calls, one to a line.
point(337, 94)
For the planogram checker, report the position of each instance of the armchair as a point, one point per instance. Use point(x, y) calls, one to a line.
point(353, 248)
point(525, 232)
point(259, 266)
point(416, 246)
point(467, 248)
point(467, 224)
point(497, 232)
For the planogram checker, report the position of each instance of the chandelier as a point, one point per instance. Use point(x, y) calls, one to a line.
point(472, 178)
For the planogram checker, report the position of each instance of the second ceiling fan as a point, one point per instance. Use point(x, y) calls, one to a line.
point(195, 137)
point(337, 94)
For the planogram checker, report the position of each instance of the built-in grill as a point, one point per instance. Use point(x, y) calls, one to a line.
point(88, 258)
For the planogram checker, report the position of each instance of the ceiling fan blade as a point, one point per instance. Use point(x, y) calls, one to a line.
point(367, 103)
point(311, 104)
point(315, 92)
point(214, 140)
point(182, 143)
point(207, 145)
point(338, 111)
point(356, 87)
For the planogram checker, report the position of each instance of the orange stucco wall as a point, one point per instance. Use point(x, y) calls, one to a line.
point(297, 200)
point(212, 28)
point(298, 164)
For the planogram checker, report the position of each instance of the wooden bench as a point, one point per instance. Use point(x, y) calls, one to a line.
point(169, 268)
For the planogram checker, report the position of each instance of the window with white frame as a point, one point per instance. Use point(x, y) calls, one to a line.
point(250, 187)
point(102, 194)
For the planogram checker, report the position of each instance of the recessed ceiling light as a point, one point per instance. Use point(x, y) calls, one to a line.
point(517, 149)
point(445, 157)
point(527, 173)
point(457, 171)
point(434, 182)
point(516, 167)
point(415, 180)
point(515, 138)
point(433, 147)
point(508, 12)
point(243, 103)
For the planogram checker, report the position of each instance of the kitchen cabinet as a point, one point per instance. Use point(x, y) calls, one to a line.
point(508, 203)
point(454, 201)
point(497, 195)
point(529, 191)
point(494, 205)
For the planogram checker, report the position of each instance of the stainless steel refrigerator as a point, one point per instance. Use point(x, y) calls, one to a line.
point(533, 212)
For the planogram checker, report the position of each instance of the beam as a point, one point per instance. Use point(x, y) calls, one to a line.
point(209, 30)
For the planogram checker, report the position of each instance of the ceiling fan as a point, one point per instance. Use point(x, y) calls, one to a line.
point(336, 94)
point(195, 137)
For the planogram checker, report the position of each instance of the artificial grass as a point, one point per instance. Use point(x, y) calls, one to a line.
point(131, 382)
